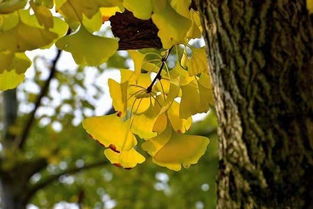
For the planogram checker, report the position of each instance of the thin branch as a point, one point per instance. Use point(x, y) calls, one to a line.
point(158, 76)
point(42, 94)
point(50, 179)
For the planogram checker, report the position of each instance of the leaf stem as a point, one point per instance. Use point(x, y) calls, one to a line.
point(158, 76)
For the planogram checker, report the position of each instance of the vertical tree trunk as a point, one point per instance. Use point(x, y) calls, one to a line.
point(11, 197)
point(261, 57)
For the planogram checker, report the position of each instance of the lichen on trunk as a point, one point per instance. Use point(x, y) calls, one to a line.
point(261, 57)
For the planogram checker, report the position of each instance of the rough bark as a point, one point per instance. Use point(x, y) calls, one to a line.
point(261, 57)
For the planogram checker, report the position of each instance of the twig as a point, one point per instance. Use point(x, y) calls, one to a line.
point(43, 92)
point(158, 76)
point(50, 179)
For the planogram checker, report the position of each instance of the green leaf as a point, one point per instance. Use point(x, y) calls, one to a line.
point(172, 26)
point(88, 49)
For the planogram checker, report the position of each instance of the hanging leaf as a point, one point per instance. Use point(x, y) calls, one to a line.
point(86, 48)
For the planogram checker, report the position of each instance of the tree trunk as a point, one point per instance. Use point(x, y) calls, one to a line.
point(261, 57)
point(11, 194)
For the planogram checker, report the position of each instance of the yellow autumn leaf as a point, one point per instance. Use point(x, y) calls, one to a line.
point(43, 15)
point(24, 37)
point(14, 61)
point(10, 79)
point(85, 47)
point(190, 100)
point(179, 124)
point(174, 150)
point(125, 159)
point(118, 94)
point(198, 62)
point(9, 6)
point(111, 131)
point(143, 125)
point(172, 26)
point(309, 4)
point(141, 9)
point(205, 92)
point(107, 12)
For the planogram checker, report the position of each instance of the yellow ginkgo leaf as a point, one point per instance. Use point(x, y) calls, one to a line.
point(24, 37)
point(160, 124)
point(118, 93)
point(107, 12)
point(125, 159)
point(309, 4)
point(180, 125)
point(111, 131)
point(143, 125)
point(10, 79)
point(181, 75)
point(196, 28)
point(172, 26)
point(43, 14)
point(73, 10)
point(181, 7)
point(141, 9)
point(138, 59)
point(198, 62)
point(173, 150)
point(9, 6)
point(205, 92)
point(14, 61)
point(88, 49)
point(190, 100)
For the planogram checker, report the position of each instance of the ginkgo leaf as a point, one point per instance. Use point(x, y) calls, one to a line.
point(172, 26)
point(107, 12)
point(14, 61)
point(179, 124)
point(160, 124)
point(173, 150)
point(181, 7)
point(143, 125)
point(181, 75)
point(43, 15)
point(73, 10)
point(94, 23)
point(24, 37)
point(141, 9)
point(111, 131)
point(138, 59)
point(118, 93)
point(205, 92)
point(125, 159)
point(11, 5)
point(196, 28)
point(190, 100)
point(10, 79)
point(309, 4)
point(198, 62)
point(88, 49)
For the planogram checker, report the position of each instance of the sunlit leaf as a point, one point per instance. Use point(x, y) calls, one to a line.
point(8, 6)
point(118, 93)
point(141, 9)
point(172, 26)
point(88, 49)
point(179, 124)
point(173, 150)
point(125, 159)
point(111, 131)
point(10, 79)
point(310, 5)
point(198, 62)
point(43, 15)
